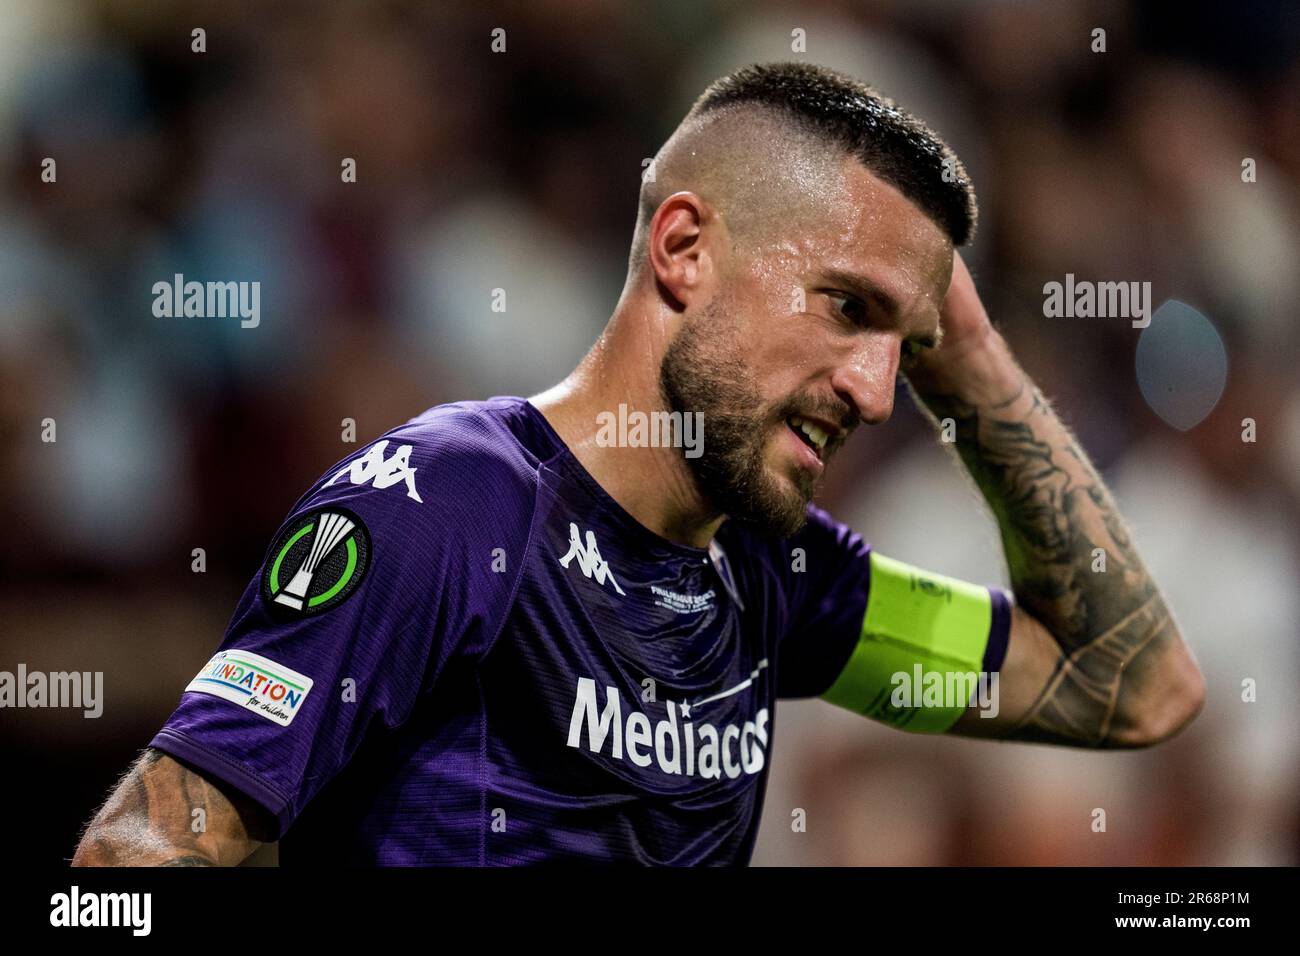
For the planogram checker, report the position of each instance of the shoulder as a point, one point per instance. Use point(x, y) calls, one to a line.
point(499, 436)
point(830, 536)
point(822, 544)
point(461, 467)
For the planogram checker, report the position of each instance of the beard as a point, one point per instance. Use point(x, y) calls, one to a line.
point(702, 372)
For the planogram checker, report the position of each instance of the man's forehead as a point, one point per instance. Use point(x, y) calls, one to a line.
point(873, 214)
point(875, 232)
point(856, 225)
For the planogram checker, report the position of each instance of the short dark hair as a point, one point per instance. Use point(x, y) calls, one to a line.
point(845, 112)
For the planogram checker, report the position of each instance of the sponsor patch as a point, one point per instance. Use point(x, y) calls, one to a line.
point(255, 683)
point(315, 563)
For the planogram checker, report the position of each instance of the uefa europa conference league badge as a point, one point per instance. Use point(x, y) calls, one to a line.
point(317, 561)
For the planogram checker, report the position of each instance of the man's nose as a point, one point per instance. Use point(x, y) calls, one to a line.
point(867, 379)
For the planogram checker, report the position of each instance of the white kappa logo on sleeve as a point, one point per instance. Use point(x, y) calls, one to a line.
point(372, 466)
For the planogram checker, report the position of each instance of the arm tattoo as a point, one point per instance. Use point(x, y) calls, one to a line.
point(148, 820)
point(1054, 512)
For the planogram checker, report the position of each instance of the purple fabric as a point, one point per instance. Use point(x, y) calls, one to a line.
point(995, 652)
point(512, 705)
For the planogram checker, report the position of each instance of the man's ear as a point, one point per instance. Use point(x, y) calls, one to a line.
point(679, 256)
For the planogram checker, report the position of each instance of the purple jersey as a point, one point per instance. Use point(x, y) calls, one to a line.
point(461, 650)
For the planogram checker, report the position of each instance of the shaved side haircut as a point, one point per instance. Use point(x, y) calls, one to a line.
point(766, 146)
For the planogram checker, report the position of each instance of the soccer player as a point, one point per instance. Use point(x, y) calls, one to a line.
point(514, 631)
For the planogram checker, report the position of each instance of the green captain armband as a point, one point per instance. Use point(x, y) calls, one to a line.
point(920, 654)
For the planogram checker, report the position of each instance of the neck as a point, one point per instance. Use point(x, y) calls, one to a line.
point(653, 484)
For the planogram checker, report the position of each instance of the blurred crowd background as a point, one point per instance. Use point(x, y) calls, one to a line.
point(519, 170)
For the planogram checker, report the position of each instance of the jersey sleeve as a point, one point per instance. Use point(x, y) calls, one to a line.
point(862, 625)
point(383, 575)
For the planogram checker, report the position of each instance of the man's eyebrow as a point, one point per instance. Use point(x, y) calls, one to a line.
point(868, 291)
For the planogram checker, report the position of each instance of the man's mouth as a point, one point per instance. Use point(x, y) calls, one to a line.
point(814, 436)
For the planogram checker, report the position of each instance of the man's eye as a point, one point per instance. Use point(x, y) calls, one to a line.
point(851, 308)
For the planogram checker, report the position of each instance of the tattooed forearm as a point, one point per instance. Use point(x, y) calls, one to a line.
point(164, 814)
point(1074, 567)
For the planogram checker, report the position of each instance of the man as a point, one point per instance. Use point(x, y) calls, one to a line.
point(511, 632)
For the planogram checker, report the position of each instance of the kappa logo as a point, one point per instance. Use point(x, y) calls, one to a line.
point(384, 472)
point(590, 562)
